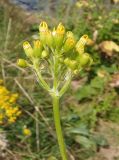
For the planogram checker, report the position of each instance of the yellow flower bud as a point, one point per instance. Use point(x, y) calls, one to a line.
point(44, 54)
point(37, 49)
point(69, 34)
point(60, 29)
point(22, 63)
point(28, 49)
point(81, 44)
point(37, 44)
point(49, 38)
point(43, 26)
point(45, 34)
point(58, 35)
point(69, 44)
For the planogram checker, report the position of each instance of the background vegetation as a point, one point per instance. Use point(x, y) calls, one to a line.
point(90, 109)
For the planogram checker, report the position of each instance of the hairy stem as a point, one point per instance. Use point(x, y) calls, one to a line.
point(65, 87)
point(58, 127)
point(41, 81)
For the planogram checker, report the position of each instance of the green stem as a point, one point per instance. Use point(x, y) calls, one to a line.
point(55, 73)
point(40, 78)
point(43, 83)
point(65, 87)
point(58, 127)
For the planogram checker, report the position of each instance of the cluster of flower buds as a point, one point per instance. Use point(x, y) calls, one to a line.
point(61, 44)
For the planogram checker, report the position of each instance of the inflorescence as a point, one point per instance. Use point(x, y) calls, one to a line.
point(57, 53)
point(9, 110)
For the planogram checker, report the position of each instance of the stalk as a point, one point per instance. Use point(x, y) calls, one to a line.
point(60, 138)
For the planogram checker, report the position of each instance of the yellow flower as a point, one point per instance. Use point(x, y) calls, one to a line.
point(26, 131)
point(18, 113)
point(9, 111)
point(12, 119)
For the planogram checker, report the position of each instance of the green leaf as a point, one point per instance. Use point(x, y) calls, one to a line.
point(52, 158)
point(100, 140)
point(85, 92)
point(85, 142)
point(82, 130)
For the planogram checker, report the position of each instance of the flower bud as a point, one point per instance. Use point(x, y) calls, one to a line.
point(89, 59)
point(69, 34)
point(49, 38)
point(81, 44)
point(69, 44)
point(44, 54)
point(37, 49)
point(84, 59)
point(58, 35)
point(28, 49)
point(72, 64)
point(60, 29)
point(67, 61)
point(43, 28)
point(22, 63)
